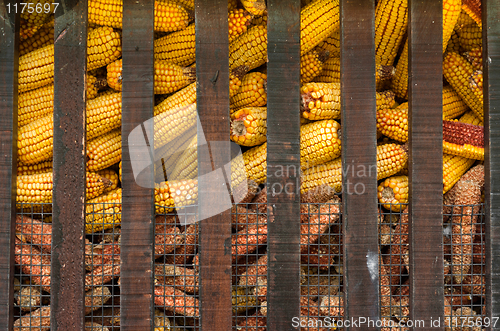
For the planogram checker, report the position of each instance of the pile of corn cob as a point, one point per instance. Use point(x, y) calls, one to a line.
point(175, 122)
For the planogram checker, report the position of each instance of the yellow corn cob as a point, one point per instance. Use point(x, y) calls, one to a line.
point(242, 298)
point(464, 19)
point(252, 92)
point(393, 123)
point(92, 87)
point(239, 20)
point(391, 18)
point(104, 151)
point(186, 167)
point(318, 20)
point(255, 7)
point(470, 118)
point(37, 188)
point(36, 69)
point(391, 158)
point(232, 4)
point(173, 123)
point(476, 84)
point(453, 43)
point(249, 49)
point(178, 100)
point(320, 101)
point(393, 192)
point(457, 72)
point(187, 4)
point(35, 104)
point(34, 142)
point(43, 37)
point(177, 48)
point(473, 9)
point(161, 322)
point(453, 168)
point(103, 212)
point(475, 57)
point(104, 114)
point(34, 169)
point(169, 16)
point(32, 22)
point(235, 80)
point(453, 105)
point(112, 176)
point(466, 140)
point(175, 194)
point(319, 143)
point(255, 160)
point(103, 47)
point(248, 126)
point(168, 78)
point(385, 99)
point(451, 12)
point(311, 65)
point(470, 36)
point(331, 44)
point(259, 20)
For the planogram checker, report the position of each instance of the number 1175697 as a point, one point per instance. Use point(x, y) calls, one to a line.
point(32, 7)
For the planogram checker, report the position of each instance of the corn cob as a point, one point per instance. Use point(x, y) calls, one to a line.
point(453, 105)
point(179, 100)
point(239, 20)
point(103, 47)
point(186, 167)
point(318, 20)
point(161, 322)
point(453, 168)
point(187, 4)
point(34, 143)
point(181, 278)
point(320, 101)
point(43, 37)
point(112, 176)
point(36, 69)
point(393, 192)
point(172, 154)
point(104, 114)
point(252, 92)
point(469, 37)
point(169, 16)
point(453, 43)
point(393, 123)
point(470, 118)
point(232, 5)
point(249, 49)
point(457, 72)
point(255, 160)
point(168, 77)
point(255, 7)
point(235, 80)
point(32, 22)
point(177, 48)
point(451, 12)
point(464, 140)
point(391, 158)
point(173, 123)
point(103, 212)
point(390, 26)
point(176, 301)
point(33, 105)
point(104, 151)
point(331, 44)
point(473, 10)
point(34, 169)
point(175, 194)
point(311, 65)
point(38, 319)
point(248, 126)
point(259, 20)
point(475, 57)
point(319, 143)
point(476, 84)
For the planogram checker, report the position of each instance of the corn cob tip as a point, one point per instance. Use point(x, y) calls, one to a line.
point(386, 72)
point(475, 81)
point(323, 55)
point(238, 128)
point(240, 71)
point(101, 83)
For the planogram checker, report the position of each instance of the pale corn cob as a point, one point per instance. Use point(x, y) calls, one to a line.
point(110, 175)
point(453, 168)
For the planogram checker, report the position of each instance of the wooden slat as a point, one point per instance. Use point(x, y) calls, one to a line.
point(491, 83)
point(68, 199)
point(212, 75)
point(425, 160)
point(361, 284)
point(137, 229)
point(283, 152)
point(8, 141)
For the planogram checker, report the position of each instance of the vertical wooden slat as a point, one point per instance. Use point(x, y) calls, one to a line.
point(68, 198)
point(137, 230)
point(212, 75)
point(425, 162)
point(283, 163)
point(491, 83)
point(359, 180)
point(8, 155)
